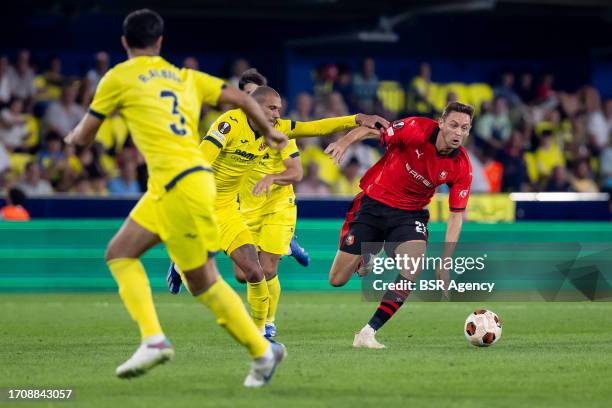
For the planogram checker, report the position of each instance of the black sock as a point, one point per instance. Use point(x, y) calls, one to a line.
point(390, 303)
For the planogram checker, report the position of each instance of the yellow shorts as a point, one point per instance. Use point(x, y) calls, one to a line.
point(273, 232)
point(233, 229)
point(183, 218)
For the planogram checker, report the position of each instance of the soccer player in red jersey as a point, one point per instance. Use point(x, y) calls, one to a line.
point(421, 155)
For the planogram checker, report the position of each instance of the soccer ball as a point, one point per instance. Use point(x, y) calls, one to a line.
point(482, 328)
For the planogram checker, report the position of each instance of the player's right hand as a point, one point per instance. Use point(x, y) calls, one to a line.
point(275, 139)
point(371, 121)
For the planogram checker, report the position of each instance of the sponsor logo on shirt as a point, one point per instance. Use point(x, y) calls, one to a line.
point(419, 177)
point(419, 154)
point(442, 175)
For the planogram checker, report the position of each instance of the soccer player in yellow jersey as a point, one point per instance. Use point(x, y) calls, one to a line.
point(161, 105)
point(236, 150)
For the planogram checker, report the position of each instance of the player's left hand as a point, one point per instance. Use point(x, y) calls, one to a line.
point(442, 274)
point(337, 150)
point(371, 120)
point(263, 185)
point(275, 139)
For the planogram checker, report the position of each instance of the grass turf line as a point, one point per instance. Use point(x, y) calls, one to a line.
point(550, 354)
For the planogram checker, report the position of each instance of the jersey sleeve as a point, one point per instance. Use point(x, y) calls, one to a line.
point(290, 151)
point(217, 137)
point(107, 97)
point(459, 193)
point(209, 87)
point(322, 127)
point(400, 132)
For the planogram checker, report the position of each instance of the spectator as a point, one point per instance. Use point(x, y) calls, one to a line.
point(191, 63)
point(348, 182)
point(312, 185)
point(597, 125)
point(545, 90)
point(238, 67)
point(515, 170)
point(5, 84)
point(331, 106)
point(548, 156)
point(608, 113)
point(558, 181)
point(605, 169)
point(303, 108)
point(506, 91)
point(14, 210)
point(480, 184)
point(419, 93)
point(344, 85)
point(50, 86)
point(52, 159)
point(13, 126)
point(493, 170)
point(582, 181)
point(22, 77)
point(365, 86)
point(93, 76)
point(63, 115)
point(526, 92)
point(126, 183)
point(494, 128)
point(5, 164)
point(32, 185)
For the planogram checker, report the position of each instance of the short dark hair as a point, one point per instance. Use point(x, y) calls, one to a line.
point(251, 76)
point(458, 107)
point(17, 196)
point(263, 91)
point(142, 28)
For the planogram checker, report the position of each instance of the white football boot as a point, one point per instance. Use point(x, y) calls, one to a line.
point(366, 339)
point(262, 369)
point(145, 358)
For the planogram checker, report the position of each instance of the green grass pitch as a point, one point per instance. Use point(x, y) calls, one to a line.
point(550, 354)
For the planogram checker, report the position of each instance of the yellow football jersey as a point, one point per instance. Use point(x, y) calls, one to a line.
point(161, 105)
point(239, 149)
point(233, 148)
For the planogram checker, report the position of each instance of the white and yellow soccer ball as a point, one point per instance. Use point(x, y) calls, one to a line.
point(482, 328)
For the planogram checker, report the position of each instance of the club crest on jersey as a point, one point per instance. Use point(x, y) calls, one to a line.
point(442, 175)
point(463, 193)
point(398, 124)
point(262, 147)
point(224, 127)
point(350, 240)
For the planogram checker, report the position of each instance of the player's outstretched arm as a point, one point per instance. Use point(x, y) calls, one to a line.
point(324, 127)
point(234, 96)
point(337, 150)
point(84, 133)
point(292, 174)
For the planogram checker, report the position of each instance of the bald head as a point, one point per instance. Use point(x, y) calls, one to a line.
point(270, 102)
point(264, 92)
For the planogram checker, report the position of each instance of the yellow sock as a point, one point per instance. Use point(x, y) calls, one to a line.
point(259, 300)
point(274, 288)
point(231, 314)
point(135, 291)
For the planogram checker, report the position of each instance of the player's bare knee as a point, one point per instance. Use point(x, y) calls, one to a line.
point(336, 280)
point(269, 273)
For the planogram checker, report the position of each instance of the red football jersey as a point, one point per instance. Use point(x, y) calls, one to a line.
point(407, 175)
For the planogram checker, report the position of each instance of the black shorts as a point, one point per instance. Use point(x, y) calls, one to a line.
point(369, 220)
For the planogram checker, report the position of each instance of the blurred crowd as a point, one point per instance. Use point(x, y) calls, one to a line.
point(526, 136)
